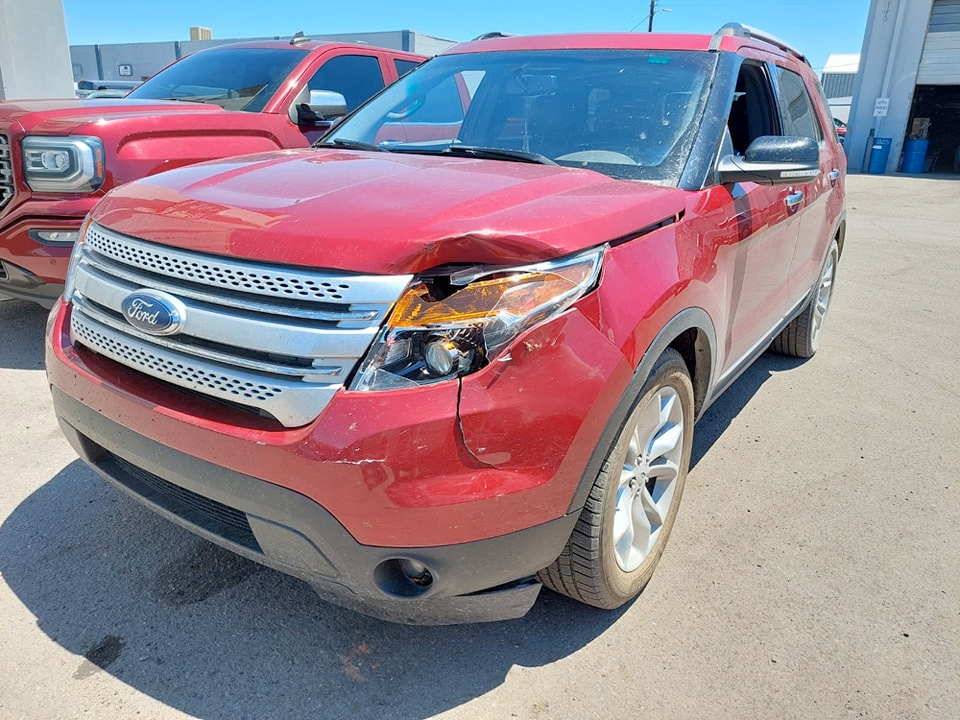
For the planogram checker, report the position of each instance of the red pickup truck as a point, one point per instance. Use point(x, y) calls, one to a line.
point(59, 157)
point(455, 351)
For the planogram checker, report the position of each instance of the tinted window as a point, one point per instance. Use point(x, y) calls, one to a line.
point(796, 107)
point(356, 77)
point(234, 79)
point(404, 66)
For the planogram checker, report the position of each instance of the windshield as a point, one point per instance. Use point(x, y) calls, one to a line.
point(627, 113)
point(238, 79)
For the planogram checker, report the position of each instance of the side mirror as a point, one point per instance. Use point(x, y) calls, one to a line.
point(773, 160)
point(317, 107)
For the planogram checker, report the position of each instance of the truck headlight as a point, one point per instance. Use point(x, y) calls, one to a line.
point(455, 324)
point(63, 164)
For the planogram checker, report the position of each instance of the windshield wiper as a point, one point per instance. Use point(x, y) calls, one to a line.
point(492, 153)
point(351, 145)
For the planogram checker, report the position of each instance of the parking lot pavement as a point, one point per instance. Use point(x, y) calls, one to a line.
point(814, 571)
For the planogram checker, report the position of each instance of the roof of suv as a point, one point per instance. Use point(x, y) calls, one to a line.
point(731, 37)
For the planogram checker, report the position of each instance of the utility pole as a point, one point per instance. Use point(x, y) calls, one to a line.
point(653, 9)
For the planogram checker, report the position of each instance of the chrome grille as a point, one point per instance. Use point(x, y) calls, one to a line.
point(278, 340)
point(212, 271)
point(6, 173)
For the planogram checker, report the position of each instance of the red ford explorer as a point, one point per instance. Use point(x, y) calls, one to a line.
point(456, 351)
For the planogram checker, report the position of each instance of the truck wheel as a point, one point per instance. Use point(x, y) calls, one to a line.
point(801, 338)
point(633, 503)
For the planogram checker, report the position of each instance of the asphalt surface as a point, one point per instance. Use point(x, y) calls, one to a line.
point(814, 571)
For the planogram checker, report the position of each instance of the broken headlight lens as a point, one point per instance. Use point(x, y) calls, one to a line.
point(455, 324)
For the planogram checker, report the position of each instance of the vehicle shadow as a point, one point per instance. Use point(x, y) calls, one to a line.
point(217, 636)
point(21, 335)
point(719, 415)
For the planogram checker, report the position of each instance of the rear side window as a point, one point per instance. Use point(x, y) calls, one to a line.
point(404, 66)
point(796, 107)
point(356, 77)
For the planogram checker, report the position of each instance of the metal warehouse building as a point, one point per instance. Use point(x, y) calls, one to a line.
point(906, 107)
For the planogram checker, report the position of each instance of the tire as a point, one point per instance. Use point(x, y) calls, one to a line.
point(630, 511)
point(801, 338)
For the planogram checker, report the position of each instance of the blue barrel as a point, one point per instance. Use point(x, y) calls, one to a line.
point(914, 156)
point(878, 158)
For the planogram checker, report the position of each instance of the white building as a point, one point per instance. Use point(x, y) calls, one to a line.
point(908, 87)
point(34, 62)
point(838, 78)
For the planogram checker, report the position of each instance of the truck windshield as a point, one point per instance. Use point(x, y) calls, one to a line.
point(630, 114)
point(235, 79)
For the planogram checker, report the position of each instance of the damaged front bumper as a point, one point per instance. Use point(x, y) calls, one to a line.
point(480, 581)
point(431, 505)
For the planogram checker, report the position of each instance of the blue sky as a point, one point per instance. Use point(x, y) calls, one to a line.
point(816, 27)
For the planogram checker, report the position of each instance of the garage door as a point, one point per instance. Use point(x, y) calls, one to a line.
point(940, 62)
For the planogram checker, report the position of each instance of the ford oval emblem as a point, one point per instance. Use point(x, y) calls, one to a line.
point(154, 312)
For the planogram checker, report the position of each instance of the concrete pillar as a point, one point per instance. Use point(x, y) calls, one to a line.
point(889, 59)
point(34, 51)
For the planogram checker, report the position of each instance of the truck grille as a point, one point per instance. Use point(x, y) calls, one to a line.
point(6, 173)
point(277, 340)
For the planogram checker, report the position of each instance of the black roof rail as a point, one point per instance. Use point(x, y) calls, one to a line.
point(491, 35)
point(745, 31)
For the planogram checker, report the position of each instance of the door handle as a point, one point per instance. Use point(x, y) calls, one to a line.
point(793, 200)
point(833, 176)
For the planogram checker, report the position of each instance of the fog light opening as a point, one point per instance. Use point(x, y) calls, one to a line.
point(65, 238)
point(403, 577)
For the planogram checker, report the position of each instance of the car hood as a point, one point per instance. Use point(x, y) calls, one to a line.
point(64, 117)
point(384, 213)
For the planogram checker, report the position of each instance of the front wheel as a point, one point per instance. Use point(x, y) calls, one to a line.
point(633, 503)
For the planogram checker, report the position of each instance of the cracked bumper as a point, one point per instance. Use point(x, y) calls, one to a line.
point(481, 581)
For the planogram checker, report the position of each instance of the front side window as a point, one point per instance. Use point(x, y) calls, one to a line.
point(796, 107)
point(356, 77)
point(238, 79)
point(630, 114)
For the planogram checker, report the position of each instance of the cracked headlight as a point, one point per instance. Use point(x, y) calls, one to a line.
point(63, 164)
point(446, 326)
